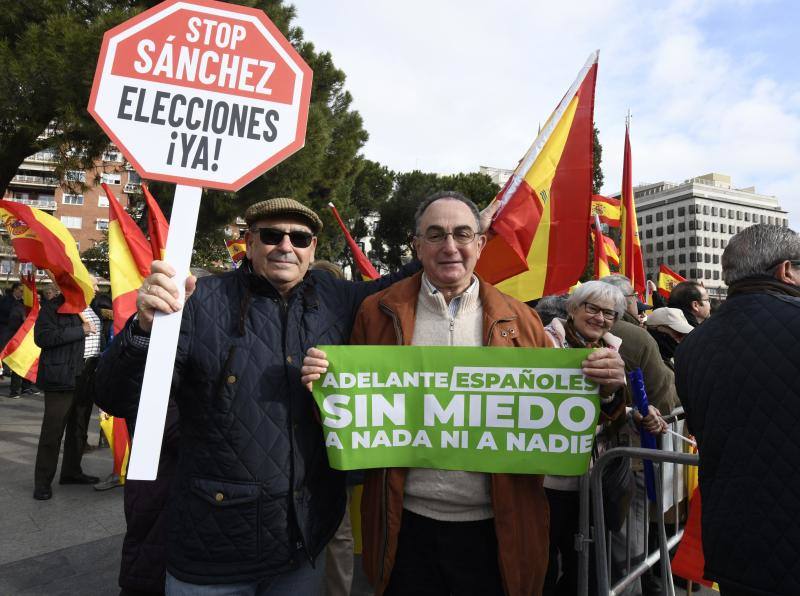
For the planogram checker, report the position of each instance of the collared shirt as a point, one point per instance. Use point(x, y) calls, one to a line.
point(91, 344)
point(452, 306)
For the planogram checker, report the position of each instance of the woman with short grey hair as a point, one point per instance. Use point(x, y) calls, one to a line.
point(596, 292)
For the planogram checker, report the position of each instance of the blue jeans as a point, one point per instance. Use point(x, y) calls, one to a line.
point(303, 581)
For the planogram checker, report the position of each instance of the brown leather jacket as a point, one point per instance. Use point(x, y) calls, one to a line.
point(521, 512)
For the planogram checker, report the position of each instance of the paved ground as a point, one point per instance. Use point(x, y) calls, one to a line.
point(69, 545)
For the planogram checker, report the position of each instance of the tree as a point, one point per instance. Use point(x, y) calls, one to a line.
point(396, 224)
point(597, 160)
point(96, 258)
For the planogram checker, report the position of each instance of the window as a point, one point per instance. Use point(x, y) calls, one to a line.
point(763, 219)
point(707, 258)
point(714, 227)
point(648, 233)
point(693, 273)
point(648, 219)
point(112, 156)
point(639, 221)
point(6, 267)
point(708, 274)
point(26, 268)
point(692, 209)
point(102, 224)
point(649, 263)
point(714, 211)
point(671, 260)
point(682, 272)
point(705, 209)
point(681, 242)
point(660, 216)
point(739, 215)
point(682, 260)
point(670, 229)
point(681, 227)
point(738, 229)
point(671, 214)
point(716, 274)
point(659, 246)
point(692, 258)
point(746, 216)
point(72, 199)
point(648, 248)
point(693, 241)
point(692, 224)
point(705, 226)
point(716, 259)
point(75, 176)
point(659, 231)
point(706, 241)
point(134, 178)
point(731, 229)
point(715, 243)
point(730, 213)
point(70, 221)
point(681, 211)
point(723, 243)
point(111, 179)
point(670, 244)
point(771, 220)
point(102, 201)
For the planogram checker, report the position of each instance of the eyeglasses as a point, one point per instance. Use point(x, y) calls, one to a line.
point(793, 263)
point(273, 236)
point(461, 235)
point(593, 309)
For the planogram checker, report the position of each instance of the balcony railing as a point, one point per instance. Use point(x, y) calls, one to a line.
point(132, 188)
point(46, 156)
point(38, 180)
point(45, 204)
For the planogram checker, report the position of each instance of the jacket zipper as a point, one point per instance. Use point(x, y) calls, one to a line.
point(385, 489)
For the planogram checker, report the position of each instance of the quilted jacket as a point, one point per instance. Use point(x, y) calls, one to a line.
point(61, 338)
point(738, 377)
point(254, 495)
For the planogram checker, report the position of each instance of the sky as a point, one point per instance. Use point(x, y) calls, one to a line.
point(447, 86)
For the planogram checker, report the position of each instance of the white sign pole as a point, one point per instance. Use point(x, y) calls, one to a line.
point(146, 446)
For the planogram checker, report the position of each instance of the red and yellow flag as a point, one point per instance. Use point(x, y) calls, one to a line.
point(612, 253)
point(41, 239)
point(21, 353)
point(129, 258)
point(368, 272)
point(601, 268)
point(157, 226)
point(607, 209)
point(29, 295)
point(541, 229)
point(667, 279)
point(631, 262)
point(237, 249)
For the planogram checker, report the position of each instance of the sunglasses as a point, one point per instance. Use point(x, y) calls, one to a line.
point(273, 236)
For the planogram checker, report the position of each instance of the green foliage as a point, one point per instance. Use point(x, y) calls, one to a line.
point(597, 168)
point(396, 225)
point(96, 258)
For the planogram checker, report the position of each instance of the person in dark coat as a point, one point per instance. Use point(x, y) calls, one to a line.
point(61, 338)
point(254, 501)
point(738, 377)
point(16, 317)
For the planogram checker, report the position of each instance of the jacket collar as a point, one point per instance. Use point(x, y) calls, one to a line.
point(400, 300)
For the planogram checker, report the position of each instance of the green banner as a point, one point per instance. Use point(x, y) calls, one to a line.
point(517, 410)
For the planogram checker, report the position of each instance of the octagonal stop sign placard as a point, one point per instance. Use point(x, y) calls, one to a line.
point(201, 93)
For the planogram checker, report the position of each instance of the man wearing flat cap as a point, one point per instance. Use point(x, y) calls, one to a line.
point(254, 502)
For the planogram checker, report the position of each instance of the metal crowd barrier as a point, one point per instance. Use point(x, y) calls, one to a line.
point(594, 540)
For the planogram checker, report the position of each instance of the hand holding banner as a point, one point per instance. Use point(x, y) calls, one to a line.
point(515, 410)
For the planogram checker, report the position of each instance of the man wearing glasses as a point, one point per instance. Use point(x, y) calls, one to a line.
point(254, 501)
point(738, 377)
point(442, 532)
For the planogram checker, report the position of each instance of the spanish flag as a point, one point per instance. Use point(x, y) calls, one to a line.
point(541, 229)
point(41, 239)
point(667, 279)
point(368, 272)
point(157, 226)
point(612, 253)
point(29, 295)
point(21, 353)
point(129, 258)
point(607, 209)
point(237, 249)
point(601, 268)
point(631, 263)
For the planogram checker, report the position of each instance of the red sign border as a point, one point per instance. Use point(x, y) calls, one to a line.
point(302, 115)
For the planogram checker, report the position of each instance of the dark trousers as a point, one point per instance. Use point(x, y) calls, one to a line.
point(562, 569)
point(18, 384)
point(59, 413)
point(436, 558)
point(84, 402)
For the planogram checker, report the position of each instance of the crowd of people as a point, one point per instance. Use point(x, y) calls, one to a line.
point(246, 503)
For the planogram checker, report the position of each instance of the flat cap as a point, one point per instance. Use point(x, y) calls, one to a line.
point(282, 207)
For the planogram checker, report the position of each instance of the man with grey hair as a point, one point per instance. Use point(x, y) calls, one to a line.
point(738, 377)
